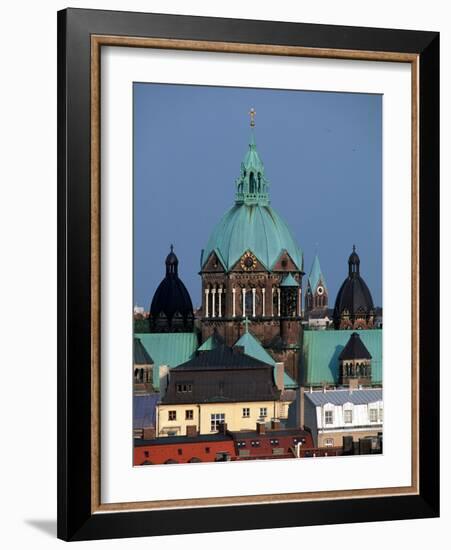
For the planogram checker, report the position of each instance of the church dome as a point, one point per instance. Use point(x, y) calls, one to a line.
point(171, 309)
point(251, 224)
point(354, 297)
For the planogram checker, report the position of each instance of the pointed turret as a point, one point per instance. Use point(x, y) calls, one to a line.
point(317, 296)
point(316, 276)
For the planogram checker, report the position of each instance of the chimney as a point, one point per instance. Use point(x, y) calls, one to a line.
point(261, 428)
point(222, 428)
point(353, 384)
point(275, 424)
point(149, 433)
point(191, 430)
point(279, 376)
point(348, 445)
point(301, 407)
point(163, 372)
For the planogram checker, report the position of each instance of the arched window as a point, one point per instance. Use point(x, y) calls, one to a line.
point(251, 183)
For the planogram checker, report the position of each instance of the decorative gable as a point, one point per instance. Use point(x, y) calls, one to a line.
point(284, 263)
point(213, 264)
point(248, 263)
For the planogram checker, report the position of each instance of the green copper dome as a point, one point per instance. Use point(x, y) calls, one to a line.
point(251, 224)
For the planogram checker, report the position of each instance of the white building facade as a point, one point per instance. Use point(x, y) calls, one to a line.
point(333, 414)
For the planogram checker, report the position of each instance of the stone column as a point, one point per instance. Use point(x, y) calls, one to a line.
point(213, 302)
point(253, 302)
point(300, 301)
point(278, 302)
point(263, 301)
point(272, 301)
point(207, 292)
point(233, 301)
point(244, 303)
point(220, 301)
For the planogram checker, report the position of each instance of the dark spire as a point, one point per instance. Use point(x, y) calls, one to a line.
point(354, 263)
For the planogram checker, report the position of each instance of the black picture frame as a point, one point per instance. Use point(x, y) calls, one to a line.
point(75, 518)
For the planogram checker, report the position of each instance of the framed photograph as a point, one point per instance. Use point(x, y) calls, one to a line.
point(248, 274)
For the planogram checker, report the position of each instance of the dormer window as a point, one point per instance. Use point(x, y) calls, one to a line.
point(328, 417)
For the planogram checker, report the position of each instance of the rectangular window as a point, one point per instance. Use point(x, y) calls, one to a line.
point(189, 414)
point(172, 415)
point(216, 420)
point(373, 415)
point(183, 388)
point(329, 417)
point(329, 442)
point(348, 416)
point(381, 415)
point(263, 412)
point(246, 412)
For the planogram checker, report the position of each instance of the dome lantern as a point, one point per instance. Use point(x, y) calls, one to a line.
point(354, 263)
point(252, 185)
point(172, 263)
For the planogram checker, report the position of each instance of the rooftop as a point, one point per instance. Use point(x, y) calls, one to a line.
point(222, 357)
point(340, 397)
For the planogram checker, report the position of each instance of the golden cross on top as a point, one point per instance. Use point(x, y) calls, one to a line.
point(252, 114)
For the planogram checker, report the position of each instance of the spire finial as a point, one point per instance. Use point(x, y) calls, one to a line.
point(246, 324)
point(353, 247)
point(172, 248)
point(252, 114)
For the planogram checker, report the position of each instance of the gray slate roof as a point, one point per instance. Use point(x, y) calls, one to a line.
point(340, 397)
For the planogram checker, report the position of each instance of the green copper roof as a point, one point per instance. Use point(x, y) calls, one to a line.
point(170, 349)
point(253, 347)
point(256, 228)
point(252, 224)
point(289, 280)
point(316, 275)
point(321, 349)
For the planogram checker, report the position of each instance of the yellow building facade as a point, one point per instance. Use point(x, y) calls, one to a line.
point(205, 418)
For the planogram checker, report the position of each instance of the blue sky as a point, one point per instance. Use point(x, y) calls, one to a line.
point(322, 153)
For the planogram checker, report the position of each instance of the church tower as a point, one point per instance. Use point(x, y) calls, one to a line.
point(252, 267)
point(317, 295)
point(355, 363)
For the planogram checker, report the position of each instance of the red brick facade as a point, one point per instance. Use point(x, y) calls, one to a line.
point(227, 298)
